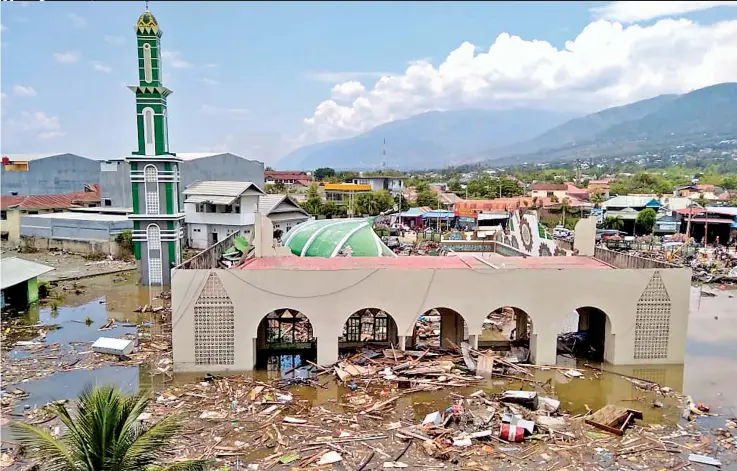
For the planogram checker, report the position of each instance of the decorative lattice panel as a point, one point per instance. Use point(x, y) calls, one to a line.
point(652, 322)
point(214, 325)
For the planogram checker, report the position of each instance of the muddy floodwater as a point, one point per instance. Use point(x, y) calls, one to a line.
point(709, 374)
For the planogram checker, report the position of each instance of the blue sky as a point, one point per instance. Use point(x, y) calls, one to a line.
point(246, 75)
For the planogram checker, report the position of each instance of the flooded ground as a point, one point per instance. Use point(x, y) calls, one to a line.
point(71, 266)
point(709, 374)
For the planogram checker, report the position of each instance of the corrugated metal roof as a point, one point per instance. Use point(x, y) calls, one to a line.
point(222, 188)
point(60, 201)
point(629, 201)
point(31, 157)
point(269, 204)
point(210, 199)
point(16, 270)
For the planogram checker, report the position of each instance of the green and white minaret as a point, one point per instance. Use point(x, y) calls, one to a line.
point(157, 218)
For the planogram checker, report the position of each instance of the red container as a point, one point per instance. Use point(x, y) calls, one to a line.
point(512, 433)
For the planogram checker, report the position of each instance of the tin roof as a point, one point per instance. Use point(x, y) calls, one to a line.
point(60, 201)
point(233, 189)
point(16, 270)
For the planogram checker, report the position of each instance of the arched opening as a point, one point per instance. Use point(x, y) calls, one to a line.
point(439, 327)
point(369, 326)
point(151, 187)
point(149, 133)
point(148, 75)
point(585, 334)
point(284, 342)
point(155, 264)
point(509, 329)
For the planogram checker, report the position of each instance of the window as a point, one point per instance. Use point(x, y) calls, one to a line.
point(228, 208)
point(147, 67)
point(32, 212)
point(149, 137)
point(107, 201)
point(155, 267)
point(4, 215)
point(151, 184)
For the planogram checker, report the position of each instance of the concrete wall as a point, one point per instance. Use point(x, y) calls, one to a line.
point(115, 183)
point(74, 229)
point(11, 225)
point(83, 247)
point(227, 167)
point(329, 297)
point(63, 173)
point(625, 260)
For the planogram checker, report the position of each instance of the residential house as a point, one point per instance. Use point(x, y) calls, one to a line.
point(19, 282)
point(283, 211)
point(576, 192)
point(549, 190)
point(699, 191)
point(213, 210)
point(12, 208)
point(394, 185)
point(287, 178)
point(716, 221)
point(627, 207)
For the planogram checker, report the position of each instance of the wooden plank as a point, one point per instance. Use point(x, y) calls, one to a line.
point(485, 366)
point(606, 428)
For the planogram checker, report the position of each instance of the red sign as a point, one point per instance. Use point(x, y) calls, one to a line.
point(465, 212)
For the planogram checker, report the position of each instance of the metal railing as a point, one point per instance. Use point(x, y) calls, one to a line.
point(209, 257)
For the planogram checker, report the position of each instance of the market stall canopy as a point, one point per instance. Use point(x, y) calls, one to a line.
point(328, 237)
point(438, 214)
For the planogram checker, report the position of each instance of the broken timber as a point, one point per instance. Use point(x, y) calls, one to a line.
point(613, 419)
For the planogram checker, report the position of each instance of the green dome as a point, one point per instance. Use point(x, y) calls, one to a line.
point(327, 237)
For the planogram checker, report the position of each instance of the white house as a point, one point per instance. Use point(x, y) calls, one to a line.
point(394, 185)
point(213, 210)
point(283, 211)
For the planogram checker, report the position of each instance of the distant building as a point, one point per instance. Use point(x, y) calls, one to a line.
point(342, 193)
point(216, 209)
point(12, 208)
point(287, 178)
point(627, 207)
point(549, 190)
point(116, 184)
point(47, 174)
point(394, 185)
point(19, 282)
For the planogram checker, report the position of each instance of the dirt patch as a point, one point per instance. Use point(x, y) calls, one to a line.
point(71, 266)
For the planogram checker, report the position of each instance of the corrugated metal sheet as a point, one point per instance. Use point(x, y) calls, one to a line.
point(61, 201)
point(210, 199)
point(221, 188)
point(16, 270)
point(269, 204)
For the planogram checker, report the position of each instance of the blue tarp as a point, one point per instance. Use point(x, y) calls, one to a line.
point(438, 215)
point(411, 213)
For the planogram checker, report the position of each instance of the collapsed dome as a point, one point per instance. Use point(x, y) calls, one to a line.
point(329, 237)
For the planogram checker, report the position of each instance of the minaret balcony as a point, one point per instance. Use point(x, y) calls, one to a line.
point(167, 235)
point(165, 176)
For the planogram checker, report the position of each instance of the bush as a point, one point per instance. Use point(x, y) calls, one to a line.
point(125, 243)
point(44, 289)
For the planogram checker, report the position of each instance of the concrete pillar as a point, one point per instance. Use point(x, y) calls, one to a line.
point(451, 328)
point(473, 340)
point(327, 350)
point(402, 342)
point(520, 324)
point(545, 348)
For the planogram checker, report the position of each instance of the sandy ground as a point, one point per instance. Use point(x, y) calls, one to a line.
point(68, 266)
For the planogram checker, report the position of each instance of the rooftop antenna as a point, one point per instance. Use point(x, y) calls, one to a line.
point(146, 5)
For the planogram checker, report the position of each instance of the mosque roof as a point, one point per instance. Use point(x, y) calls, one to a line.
point(147, 23)
point(327, 237)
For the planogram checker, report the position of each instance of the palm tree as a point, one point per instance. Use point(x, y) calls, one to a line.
point(105, 435)
point(597, 199)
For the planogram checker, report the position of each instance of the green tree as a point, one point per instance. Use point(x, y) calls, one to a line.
point(454, 185)
point(729, 182)
point(105, 435)
point(277, 188)
point(374, 203)
point(313, 204)
point(329, 209)
point(645, 221)
point(401, 203)
point(427, 198)
point(323, 173)
point(614, 222)
point(597, 199)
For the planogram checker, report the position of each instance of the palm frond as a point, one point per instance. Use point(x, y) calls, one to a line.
point(151, 444)
point(54, 454)
point(191, 465)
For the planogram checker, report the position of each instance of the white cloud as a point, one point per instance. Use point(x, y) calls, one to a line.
point(21, 90)
point(606, 65)
point(210, 66)
point(630, 12)
point(209, 81)
point(76, 20)
point(37, 122)
point(174, 59)
point(217, 110)
point(70, 57)
point(344, 76)
point(2, 27)
point(114, 39)
point(348, 90)
point(100, 67)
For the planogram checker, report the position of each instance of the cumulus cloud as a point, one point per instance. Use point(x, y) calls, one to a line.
point(209, 81)
point(21, 90)
point(218, 110)
point(41, 124)
point(606, 65)
point(174, 59)
point(630, 12)
point(70, 57)
point(343, 76)
point(348, 90)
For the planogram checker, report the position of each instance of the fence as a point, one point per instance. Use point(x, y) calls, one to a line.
point(625, 260)
point(209, 257)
